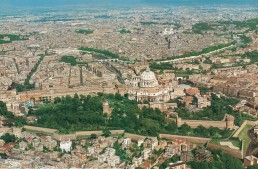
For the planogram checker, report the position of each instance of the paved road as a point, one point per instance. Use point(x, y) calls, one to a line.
point(156, 162)
point(198, 56)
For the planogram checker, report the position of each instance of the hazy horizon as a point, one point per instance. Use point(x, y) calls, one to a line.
point(24, 7)
point(51, 3)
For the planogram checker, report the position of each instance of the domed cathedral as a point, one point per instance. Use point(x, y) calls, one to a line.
point(148, 79)
point(147, 87)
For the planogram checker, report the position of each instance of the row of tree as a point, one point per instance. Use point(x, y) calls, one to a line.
point(195, 53)
point(27, 85)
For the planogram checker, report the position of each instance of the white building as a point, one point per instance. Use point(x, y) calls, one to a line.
point(109, 157)
point(113, 161)
point(91, 150)
point(66, 146)
point(146, 153)
point(110, 152)
point(140, 142)
point(137, 161)
point(126, 143)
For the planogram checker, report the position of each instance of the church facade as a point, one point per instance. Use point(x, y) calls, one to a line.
point(148, 87)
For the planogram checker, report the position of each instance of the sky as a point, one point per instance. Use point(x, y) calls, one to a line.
point(41, 3)
point(8, 7)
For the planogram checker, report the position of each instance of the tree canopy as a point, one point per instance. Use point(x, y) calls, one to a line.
point(220, 160)
point(70, 114)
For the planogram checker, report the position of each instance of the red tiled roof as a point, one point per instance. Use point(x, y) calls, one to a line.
point(178, 141)
point(7, 147)
point(192, 91)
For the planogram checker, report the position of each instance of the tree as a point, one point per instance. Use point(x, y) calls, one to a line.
point(172, 126)
point(57, 100)
point(253, 167)
point(231, 162)
point(19, 121)
point(201, 131)
point(106, 133)
point(118, 96)
point(8, 138)
point(220, 160)
point(3, 109)
point(3, 155)
point(68, 99)
point(93, 136)
point(76, 97)
point(185, 128)
point(73, 146)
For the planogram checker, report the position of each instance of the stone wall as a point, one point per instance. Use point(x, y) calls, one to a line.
point(234, 153)
point(98, 133)
point(240, 129)
point(136, 137)
point(41, 129)
point(226, 122)
point(88, 133)
point(206, 124)
point(4, 130)
point(187, 138)
point(252, 123)
point(66, 137)
point(246, 122)
point(117, 131)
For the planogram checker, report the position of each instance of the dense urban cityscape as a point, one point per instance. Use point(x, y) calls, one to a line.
point(132, 86)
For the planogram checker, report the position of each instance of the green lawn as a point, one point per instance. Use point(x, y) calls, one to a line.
point(71, 59)
point(12, 37)
point(235, 142)
point(99, 57)
point(243, 136)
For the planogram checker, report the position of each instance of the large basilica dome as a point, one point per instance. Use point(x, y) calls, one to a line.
point(148, 79)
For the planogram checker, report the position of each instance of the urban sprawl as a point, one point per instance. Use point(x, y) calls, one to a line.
point(168, 88)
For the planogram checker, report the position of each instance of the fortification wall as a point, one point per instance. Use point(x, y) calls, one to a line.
point(64, 137)
point(235, 153)
point(88, 133)
point(41, 129)
point(206, 124)
point(243, 126)
point(240, 129)
point(117, 131)
point(4, 129)
point(252, 123)
point(187, 138)
point(136, 137)
point(246, 122)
